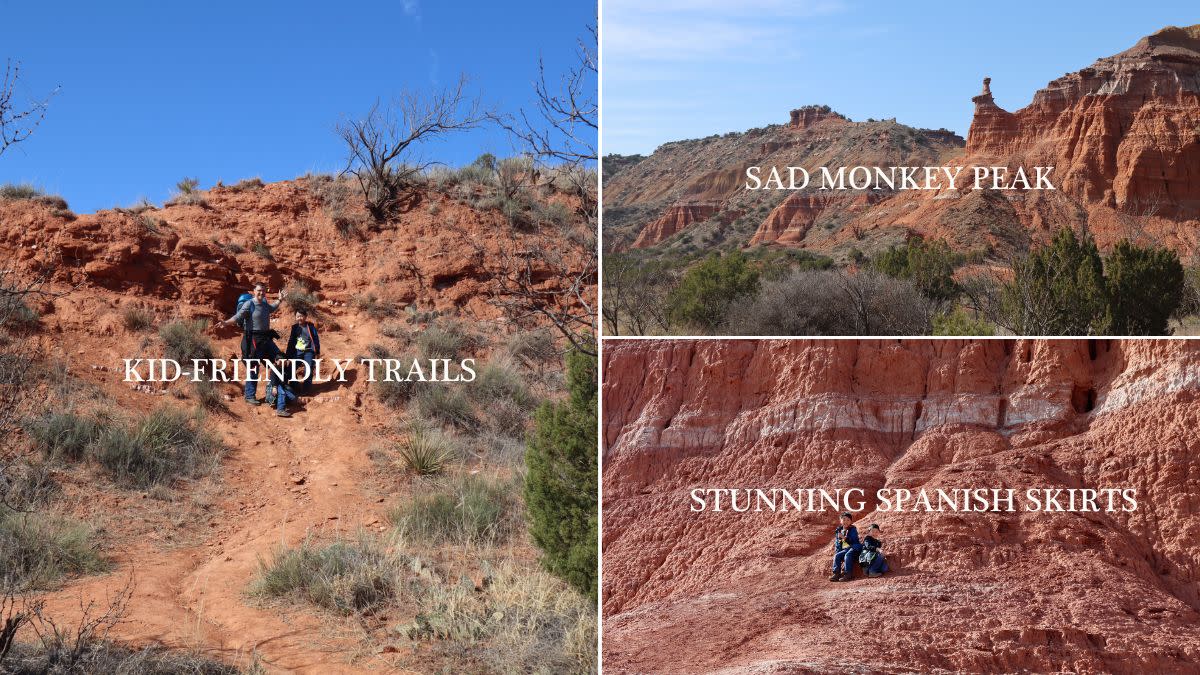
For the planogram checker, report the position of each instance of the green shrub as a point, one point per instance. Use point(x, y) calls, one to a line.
point(707, 290)
point(166, 445)
point(470, 510)
point(1145, 286)
point(63, 435)
point(929, 265)
point(37, 549)
point(184, 340)
point(560, 487)
point(446, 404)
point(187, 186)
point(426, 450)
point(1058, 289)
point(347, 577)
point(960, 323)
point(137, 319)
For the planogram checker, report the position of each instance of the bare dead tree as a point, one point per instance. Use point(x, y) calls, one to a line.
point(565, 121)
point(18, 120)
point(561, 134)
point(635, 296)
point(382, 145)
point(554, 284)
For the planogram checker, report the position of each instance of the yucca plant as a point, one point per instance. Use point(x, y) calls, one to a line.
point(426, 450)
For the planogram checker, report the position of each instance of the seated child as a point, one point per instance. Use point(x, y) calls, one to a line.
point(872, 555)
point(279, 391)
point(846, 548)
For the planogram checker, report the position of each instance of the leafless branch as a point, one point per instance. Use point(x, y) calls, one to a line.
point(382, 145)
point(18, 121)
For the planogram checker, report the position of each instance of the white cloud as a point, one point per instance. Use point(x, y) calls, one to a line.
point(698, 30)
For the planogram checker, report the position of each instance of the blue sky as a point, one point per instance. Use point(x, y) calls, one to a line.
point(152, 92)
point(690, 68)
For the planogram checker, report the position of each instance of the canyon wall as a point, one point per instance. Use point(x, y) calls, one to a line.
point(970, 591)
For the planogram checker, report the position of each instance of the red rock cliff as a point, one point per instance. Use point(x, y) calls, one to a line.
point(1081, 592)
point(1124, 132)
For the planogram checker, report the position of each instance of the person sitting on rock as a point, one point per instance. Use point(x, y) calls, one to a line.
point(279, 389)
point(261, 339)
point(872, 555)
point(304, 344)
point(846, 548)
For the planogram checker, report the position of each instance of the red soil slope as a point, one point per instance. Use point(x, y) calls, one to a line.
point(282, 480)
point(979, 592)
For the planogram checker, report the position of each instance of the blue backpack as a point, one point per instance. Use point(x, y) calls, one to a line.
point(241, 301)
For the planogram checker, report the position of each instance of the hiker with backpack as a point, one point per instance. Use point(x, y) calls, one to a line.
point(846, 549)
point(871, 557)
point(305, 344)
point(258, 340)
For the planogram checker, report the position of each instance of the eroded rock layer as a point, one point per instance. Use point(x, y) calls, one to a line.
point(979, 591)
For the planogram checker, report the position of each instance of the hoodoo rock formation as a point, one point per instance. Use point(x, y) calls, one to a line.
point(1123, 136)
point(970, 591)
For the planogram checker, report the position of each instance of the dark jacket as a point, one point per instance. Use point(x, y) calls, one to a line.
point(872, 544)
point(298, 331)
point(850, 535)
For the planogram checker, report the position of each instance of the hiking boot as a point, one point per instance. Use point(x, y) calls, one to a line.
point(253, 401)
point(836, 577)
point(874, 574)
point(846, 577)
point(282, 413)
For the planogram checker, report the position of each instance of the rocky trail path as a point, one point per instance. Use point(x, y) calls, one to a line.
point(280, 481)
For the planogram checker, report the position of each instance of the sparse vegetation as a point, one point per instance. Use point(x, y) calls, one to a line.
point(471, 509)
point(536, 346)
point(261, 250)
point(255, 183)
point(184, 340)
point(166, 445)
point(529, 621)
point(426, 450)
point(187, 192)
point(445, 341)
point(39, 549)
point(376, 307)
point(208, 395)
point(300, 297)
point(347, 577)
point(63, 434)
point(16, 191)
point(137, 319)
point(26, 191)
point(446, 404)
